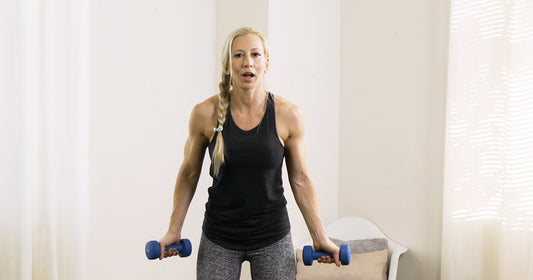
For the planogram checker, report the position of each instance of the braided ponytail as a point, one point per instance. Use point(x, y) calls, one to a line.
point(223, 103)
point(225, 87)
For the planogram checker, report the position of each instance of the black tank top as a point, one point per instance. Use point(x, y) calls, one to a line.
point(246, 209)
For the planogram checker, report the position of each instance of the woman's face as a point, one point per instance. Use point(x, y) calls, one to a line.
point(248, 62)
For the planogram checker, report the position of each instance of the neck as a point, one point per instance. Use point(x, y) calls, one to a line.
point(247, 100)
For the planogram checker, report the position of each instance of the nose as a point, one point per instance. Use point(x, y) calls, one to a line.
point(248, 62)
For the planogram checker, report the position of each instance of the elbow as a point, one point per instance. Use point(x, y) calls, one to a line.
point(190, 175)
point(299, 181)
point(193, 178)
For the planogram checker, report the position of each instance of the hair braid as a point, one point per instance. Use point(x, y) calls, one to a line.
point(223, 103)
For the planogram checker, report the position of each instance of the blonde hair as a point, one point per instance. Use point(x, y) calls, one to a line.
point(225, 87)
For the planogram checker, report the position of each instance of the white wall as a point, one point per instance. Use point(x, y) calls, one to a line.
point(393, 84)
point(151, 62)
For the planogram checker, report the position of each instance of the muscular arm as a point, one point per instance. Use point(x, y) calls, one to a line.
point(301, 183)
point(188, 174)
point(187, 178)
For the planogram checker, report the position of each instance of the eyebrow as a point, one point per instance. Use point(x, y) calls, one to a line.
point(254, 49)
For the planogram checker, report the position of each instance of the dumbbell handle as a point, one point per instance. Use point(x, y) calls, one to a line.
point(178, 247)
point(318, 254)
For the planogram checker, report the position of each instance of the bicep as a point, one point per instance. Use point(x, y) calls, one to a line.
point(195, 145)
point(296, 156)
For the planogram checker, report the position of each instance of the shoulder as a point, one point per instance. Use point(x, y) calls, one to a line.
point(289, 118)
point(203, 116)
point(207, 106)
point(287, 110)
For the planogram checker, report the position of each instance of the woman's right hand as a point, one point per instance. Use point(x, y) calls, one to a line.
point(169, 239)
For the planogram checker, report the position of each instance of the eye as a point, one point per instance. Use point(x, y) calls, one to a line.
point(238, 55)
point(256, 54)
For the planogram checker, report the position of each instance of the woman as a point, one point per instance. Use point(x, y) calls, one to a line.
point(248, 132)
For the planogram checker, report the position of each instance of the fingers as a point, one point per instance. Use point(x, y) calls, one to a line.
point(172, 252)
point(336, 258)
point(168, 240)
point(163, 252)
point(328, 259)
point(169, 253)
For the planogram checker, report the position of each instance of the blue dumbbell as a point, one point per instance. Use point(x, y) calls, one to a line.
point(309, 255)
point(153, 249)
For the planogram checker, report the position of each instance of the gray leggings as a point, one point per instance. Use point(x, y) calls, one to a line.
point(273, 262)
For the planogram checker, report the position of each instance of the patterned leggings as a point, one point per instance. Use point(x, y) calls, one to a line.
point(273, 262)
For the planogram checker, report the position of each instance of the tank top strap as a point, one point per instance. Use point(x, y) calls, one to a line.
point(270, 112)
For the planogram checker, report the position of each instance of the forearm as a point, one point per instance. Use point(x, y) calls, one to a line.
point(306, 199)
point(184, 190)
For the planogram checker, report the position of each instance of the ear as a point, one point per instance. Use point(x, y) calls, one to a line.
point(267, 63)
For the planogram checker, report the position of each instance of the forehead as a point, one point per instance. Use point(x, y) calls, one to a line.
point(247, 42)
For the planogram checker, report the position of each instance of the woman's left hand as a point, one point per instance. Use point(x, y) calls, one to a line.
point(330, 247)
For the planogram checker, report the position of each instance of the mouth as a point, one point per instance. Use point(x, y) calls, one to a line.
point(248, 77)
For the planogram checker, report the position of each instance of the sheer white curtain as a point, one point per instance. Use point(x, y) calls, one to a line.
point(44, 143)
point(488, 188)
